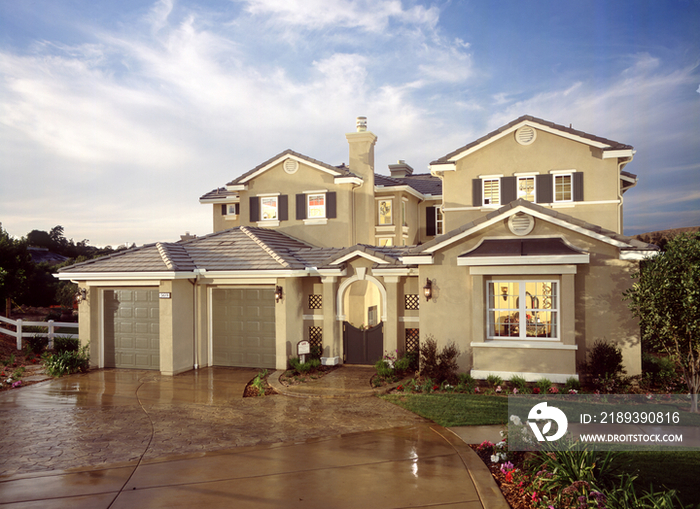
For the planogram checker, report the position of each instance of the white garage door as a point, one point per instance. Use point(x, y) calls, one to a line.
point(243, 332)
point(131, 334)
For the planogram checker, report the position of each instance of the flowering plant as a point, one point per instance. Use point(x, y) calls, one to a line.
point(553, 390)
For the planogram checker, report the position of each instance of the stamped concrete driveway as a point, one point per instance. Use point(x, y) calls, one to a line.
point(122, 438)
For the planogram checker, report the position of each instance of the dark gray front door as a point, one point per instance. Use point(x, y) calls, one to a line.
point(363, 346)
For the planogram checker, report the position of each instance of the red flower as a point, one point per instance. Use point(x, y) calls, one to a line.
point(399, 388)
point(436, 387)
point(509, 476)
point(536, 390)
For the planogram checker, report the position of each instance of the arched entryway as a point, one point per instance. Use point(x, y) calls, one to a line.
point(363, 301)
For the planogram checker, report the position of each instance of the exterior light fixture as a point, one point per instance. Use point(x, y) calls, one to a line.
point(504, 291)
point(278, 293)
point(81, 295)
point(428, 289)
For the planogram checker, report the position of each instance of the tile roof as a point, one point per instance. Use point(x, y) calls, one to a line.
point(340, 170)
point(220, 193)
point(424, 183)
point(633, 244)
point(612, 145)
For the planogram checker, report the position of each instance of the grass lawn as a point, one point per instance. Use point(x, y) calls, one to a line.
point(455, 409)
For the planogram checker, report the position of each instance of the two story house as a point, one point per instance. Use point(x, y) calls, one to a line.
point(511, 247)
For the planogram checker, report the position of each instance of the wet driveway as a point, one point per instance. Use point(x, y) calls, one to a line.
point(123, 438)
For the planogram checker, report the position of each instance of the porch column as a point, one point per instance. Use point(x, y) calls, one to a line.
point(332, 330)
point(391, 323)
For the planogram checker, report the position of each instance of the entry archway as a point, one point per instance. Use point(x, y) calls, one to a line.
point(362, 306)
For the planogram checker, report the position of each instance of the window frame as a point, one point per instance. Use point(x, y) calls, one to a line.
point(276, 207)
point(309, 206)
point(523, 310)
point(439, 221)
point(571, 187)
point(379, 211)
point(523, 195)
point(497, 180)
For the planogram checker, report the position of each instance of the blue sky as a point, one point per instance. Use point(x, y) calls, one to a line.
point(116, 116)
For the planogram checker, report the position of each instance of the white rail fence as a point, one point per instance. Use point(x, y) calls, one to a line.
point(50, 326)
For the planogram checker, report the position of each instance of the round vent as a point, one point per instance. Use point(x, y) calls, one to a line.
point(521, 224)
point(291, 166)
point(525, 135)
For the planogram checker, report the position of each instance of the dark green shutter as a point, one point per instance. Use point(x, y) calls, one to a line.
point(331, 205)
point(254, 209)
point(477, 196)
point(509, 189)
point(301, 206)
point(430, 221)
point(283, 204)
point(578, 186)
point(545, 189)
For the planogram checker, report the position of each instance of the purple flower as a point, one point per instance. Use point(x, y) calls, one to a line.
point(18, 383)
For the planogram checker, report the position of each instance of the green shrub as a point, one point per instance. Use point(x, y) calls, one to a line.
point(37, 344)
point(544, 384)
point(440, 365)
point(572, 383)
point(659, 372)
point(383, 369)
point(403, 364)
point(259, 382)
point(304, 367)
point(494, 380)
point(67, 362)
point(519, 382)
point(65, 344)
point(604, 360)
point(466, 383)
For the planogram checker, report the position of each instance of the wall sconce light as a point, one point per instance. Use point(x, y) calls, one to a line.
point(504, 291)
point(428, 289)
point(278, 293)
point(81, 295)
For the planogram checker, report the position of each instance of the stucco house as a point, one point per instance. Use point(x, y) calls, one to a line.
point(511, 247)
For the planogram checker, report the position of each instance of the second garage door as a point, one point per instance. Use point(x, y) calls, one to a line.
point(243, 332)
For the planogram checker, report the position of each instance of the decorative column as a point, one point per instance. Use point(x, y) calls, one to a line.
point(332, 330)
point(391, 323)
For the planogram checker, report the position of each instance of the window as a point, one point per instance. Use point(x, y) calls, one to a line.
point(387, 241)
point(230, 209)
point(522, 309)
point(526, 188)
point(403, 214)
point(268, 208)
point(438, 221)
point(385, 207)
point(492, 191)
point(563, 187)
point(316, 206)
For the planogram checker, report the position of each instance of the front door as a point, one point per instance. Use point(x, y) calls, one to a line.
point(363, 346)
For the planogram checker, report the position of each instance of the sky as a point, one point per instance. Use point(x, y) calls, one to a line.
point(115, 117)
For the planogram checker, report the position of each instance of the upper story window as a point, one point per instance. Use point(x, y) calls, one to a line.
point(491, 191)
point(316, 206)
point(526, 188)
point(563, 187)
point(404, 221)
point(385, 241)
point(439, 221)
point(230, 209)
point(269, 208)
point(523, 309)
point(385, 212)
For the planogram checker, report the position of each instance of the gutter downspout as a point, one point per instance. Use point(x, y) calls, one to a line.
point(620, 219)
point(195, 357)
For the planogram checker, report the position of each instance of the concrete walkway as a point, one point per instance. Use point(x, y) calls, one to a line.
point(122, 438)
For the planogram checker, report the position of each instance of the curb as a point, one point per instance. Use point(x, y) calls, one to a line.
point(312, 393)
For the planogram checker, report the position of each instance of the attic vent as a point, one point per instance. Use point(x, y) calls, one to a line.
point(291, 166)
point(525, 135)
point(521, 224)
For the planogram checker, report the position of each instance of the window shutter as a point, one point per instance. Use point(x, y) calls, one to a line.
point(283, 204)
point(223, 209)
point(254, 209)
point(578, 186)
point(430, 221)
point(477, 199)
point(509, 189)
point(545, 188)
point(238, 209)
point(331, 205)
point(301, 206)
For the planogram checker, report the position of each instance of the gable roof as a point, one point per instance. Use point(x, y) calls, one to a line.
point(590, 139)
point(634, 248)
point(336, 171)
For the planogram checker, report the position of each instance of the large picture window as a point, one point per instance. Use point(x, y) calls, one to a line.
point(523, 309)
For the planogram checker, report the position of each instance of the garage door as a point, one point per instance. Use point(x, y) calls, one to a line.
point(131, 334)
point(243, 332)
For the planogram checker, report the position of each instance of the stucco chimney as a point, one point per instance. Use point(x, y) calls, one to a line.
point(361, 163)
point(400, 169)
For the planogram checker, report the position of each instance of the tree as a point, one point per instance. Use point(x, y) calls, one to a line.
point(666, 299)
point(15, 266)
